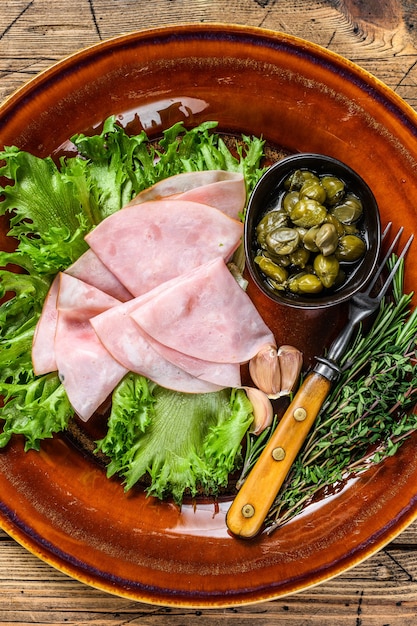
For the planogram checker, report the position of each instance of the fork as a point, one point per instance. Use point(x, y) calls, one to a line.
point(254, 499)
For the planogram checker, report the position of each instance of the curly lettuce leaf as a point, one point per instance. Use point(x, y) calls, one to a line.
point(40, 197)
point(183, 442)
point(36, 409)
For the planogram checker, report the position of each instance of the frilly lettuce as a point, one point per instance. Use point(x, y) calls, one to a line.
point(185, 442)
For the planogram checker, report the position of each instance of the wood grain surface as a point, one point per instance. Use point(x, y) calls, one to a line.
point(381, 37)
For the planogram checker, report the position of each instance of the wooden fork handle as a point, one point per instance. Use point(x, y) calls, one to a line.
point(254, 499)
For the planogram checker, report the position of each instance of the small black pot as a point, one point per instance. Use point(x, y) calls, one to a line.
point(268, 188)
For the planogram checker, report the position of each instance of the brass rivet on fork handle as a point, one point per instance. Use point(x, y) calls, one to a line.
point(278, 454)
point(300, 414)
point(248, 511)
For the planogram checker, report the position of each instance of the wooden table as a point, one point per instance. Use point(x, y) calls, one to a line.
point(380, 36)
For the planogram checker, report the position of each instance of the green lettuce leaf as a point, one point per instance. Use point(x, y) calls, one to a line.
point(183, 442)
point(36, 409)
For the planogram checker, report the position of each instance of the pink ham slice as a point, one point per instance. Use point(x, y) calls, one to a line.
point(205, 315)
point(91, 270)
point(86, 369)
point(43, 352)
point(223, 190)
point(147, 244)
point(129, 345)
point(222, 374)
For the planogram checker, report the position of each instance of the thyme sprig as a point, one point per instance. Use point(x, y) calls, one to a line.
point(370, 412)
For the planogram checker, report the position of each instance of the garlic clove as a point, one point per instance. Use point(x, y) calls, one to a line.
point(290, 361)
point(264, 369)
point(263, 411)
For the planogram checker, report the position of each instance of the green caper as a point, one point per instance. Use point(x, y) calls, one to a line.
point(350, 248)
point(289, 200)
point(300, 257)
point(305, 284)
point(327, 239)
point(348, 211)
point(283, 240)
point(327, 269)
point(271, 269)
point(312, 188)
point(350, 229)
point(309, 239)
point(270, 221)
point(307, 212)
point(334, 187)
point(296, 179)
point(340, 228)
point(283, 260)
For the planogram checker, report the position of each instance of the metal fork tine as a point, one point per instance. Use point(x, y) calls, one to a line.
point(386, 257)
point(395, 268)
point(386, 231)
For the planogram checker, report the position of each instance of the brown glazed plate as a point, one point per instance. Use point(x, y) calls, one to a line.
point(57, 502)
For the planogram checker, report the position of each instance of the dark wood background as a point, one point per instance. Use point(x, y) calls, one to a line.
point(381, 37)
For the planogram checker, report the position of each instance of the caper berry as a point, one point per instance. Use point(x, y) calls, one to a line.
point(270, 221)
point(307, 212)
point(334, 188)
point(326, 239)
point(309, 239)
point(313, 189)
point(348, 211)
point(289, 200)
point(297, 178)
point(300, 257)
point(327, 269)
point(283, 240)
point(305, 284)
point(270, 269)
point(350, 248)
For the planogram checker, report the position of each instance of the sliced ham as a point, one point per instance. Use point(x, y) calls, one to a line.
point(43, 351)
point(147, 244)
point(129, 345)
point(206, 315)
point(221, 374)
point(223, 190)
point(86, 369)
point(91, 270)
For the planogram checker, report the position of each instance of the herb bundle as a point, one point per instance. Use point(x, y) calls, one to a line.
point(367, 416)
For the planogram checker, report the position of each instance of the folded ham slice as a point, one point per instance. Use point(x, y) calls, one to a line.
point(130, 345)
point(147, 244)
point(205, 314)
point(91, 270)
point(86, 369)
point(221, 374)
point(223, 190)
point(43, 350)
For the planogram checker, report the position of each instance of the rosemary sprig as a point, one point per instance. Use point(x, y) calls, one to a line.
point(367, 416)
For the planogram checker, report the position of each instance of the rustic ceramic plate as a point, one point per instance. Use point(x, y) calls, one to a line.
point(58, 503)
